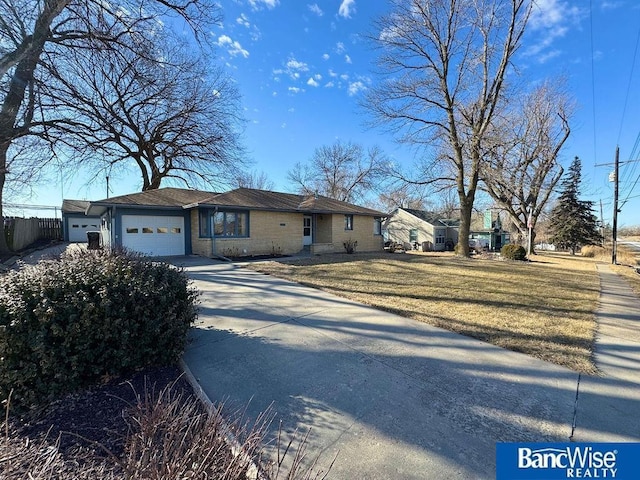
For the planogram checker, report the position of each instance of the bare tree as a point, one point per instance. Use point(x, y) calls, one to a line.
point(444, 64)
point(168, 114)
point(29, 28)
point(405, 195)
point(522, 169)
point(343, 171)
point(259, 180)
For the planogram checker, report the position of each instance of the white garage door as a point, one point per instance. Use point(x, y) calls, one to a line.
point(153, 235)
point(78, 228)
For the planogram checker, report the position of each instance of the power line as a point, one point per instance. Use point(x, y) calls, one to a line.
point(626, 98)
point(593, 82)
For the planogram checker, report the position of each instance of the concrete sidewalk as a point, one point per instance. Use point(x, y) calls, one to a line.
point(394, 398)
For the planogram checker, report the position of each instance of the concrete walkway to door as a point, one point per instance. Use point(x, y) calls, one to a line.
point(394, 398)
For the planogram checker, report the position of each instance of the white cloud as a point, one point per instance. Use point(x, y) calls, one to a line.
point(554, 15)
point(347, 59)
point(293, 64)
point(340, 48)
point(312, 82)
point(325, 56)
point(329, 84)
point(347, 7)
point(295, 89)
point(611, 5)
point(233, 47)
point(293, 68)
point(356, 87)
point(550, 20)
point(344, 77)
point(258, 4)
point(243, 20)
point(549, 55)
point(316, 9)
point(332, 73)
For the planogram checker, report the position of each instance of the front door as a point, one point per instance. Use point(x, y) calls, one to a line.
point(307, 232)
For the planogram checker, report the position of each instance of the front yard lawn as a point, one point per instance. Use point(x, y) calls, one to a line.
point(543, 308)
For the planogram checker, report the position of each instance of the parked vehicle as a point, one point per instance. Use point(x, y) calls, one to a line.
point(478, 245)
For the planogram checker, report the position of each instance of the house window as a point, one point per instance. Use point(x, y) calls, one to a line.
point(439, 237)
point(162, 230)
point(413, 235)
point(204, 223)
point(132, 230)
point(348, 222)
point(230, 224)
point(377, 226)
point(175, 230)
point(147, 230)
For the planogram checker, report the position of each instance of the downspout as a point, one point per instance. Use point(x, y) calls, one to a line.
point(114, 230)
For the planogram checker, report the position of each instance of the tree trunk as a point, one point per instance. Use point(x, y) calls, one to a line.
point(466, 209)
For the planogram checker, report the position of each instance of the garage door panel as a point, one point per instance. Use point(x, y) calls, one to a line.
point(154, 235)
point(78, 228)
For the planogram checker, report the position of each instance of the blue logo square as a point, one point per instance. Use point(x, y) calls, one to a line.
point(551, 461)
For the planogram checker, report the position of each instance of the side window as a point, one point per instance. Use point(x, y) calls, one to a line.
point(413, 235)
point(377, 226)
point(348, 222)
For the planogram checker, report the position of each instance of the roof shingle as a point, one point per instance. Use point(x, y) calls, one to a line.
point(289, 202)
point(246, 198)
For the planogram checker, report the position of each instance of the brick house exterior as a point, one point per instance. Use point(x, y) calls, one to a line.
point(241, 222)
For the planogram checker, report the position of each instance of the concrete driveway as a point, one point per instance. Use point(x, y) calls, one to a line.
point(394, 398)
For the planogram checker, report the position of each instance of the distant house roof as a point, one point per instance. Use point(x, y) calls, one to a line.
point(248, 198)
point(74, 206)
point(433, 218)
point(285, 202)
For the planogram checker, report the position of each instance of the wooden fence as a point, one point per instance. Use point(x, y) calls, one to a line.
point(22, 232)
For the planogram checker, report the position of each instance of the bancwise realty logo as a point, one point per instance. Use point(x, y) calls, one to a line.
point(551, 461)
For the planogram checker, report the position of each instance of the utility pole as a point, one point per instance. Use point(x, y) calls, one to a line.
point(614, 237)
point(616, 180)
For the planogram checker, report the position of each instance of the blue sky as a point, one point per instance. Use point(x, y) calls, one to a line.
point(301, 67)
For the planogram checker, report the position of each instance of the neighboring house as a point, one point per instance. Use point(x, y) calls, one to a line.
point(486, 229)
point(420, 229)
point(75, 222)
point(174, 221)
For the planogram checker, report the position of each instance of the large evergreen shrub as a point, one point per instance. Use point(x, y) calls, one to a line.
point(65, 324)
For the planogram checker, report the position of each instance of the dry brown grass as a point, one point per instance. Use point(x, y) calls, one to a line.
point(543, 308)
point(629, 268)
